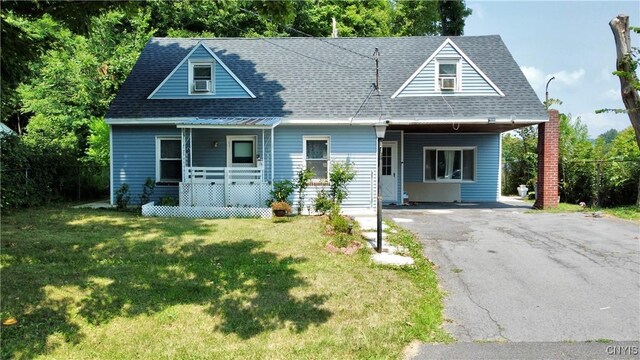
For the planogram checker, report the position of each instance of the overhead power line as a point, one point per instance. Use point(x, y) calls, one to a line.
point(302, 54)
point(307, 35)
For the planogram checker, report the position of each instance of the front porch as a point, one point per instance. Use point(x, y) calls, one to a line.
point(227, 162)
point(225, 168)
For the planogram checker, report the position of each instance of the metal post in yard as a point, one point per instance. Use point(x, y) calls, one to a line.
point(380, 130)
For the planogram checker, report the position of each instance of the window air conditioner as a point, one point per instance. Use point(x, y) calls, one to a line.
point(448, 83)
point(201, 85)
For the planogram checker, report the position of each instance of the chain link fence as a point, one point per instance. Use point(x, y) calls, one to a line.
point(33, 186)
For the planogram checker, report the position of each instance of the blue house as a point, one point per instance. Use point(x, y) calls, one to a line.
point(216, 121)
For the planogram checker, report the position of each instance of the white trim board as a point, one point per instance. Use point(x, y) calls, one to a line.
point(448, 41)
point(341, 122)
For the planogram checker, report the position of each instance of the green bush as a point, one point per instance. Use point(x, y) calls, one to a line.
point(34, 174)
point(322, 203)
point(280, 192)
point(168, 201)
point(340, 224)
point(340, 176)
point(303, 178)
point(147, 191)
point(123, 197)
point(342, 240)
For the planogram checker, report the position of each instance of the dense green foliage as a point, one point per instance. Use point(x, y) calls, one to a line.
point(63, 62)
point(452, 15)
point(36, 174)
point(601, 172)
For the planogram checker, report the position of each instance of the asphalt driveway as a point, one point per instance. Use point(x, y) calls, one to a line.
point(512, 275)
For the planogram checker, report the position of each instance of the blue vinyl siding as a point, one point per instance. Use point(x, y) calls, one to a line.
point(134, 154)
point(396, 136)
point(134, 159)
point(485, 188)
point(177, 86)
point(356, 144)
point(424, 84)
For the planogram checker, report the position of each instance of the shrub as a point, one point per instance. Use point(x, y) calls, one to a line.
point(147, 191)
point(168, 201)
point(340, 224)
point(342, 240)
point(122, 197)
point(280, 192)
point(340, 176)
point(322, 203)
point(303, 177)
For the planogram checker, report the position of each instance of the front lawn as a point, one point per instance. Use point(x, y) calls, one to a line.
point(102, 284)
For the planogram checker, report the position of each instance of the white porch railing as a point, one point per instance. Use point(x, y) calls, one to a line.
point(224, 187)
point(226, 174)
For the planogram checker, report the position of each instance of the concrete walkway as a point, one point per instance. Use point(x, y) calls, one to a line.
point(393, 255)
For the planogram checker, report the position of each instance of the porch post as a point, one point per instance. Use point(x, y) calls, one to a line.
point(184, 156)
point(273, 160)
point(191, 161)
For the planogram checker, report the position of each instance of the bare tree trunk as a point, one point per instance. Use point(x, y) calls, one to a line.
point(620, 27)
point(630, 97)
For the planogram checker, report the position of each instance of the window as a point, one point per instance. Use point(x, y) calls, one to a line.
point(386, 161)
point(316, 155)
point(168, 159)
point(242, 152)
point(201, 78)
point(448, 74)
point(449, 164)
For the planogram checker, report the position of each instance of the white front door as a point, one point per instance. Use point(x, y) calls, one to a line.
point(241, 151)
point(389, 171)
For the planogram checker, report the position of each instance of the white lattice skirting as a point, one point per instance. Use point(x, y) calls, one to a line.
point(151, 209)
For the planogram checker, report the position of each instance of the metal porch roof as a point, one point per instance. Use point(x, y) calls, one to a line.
point(232, 122)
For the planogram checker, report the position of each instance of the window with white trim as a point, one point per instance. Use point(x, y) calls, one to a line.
point(448, 75)
point(449, 164)
point(317, 156)
point(201, 78)
point(168, 159)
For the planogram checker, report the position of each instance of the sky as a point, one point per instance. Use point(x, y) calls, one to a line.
point(570, 40)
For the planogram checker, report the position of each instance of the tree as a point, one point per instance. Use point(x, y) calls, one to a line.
point(416, 18)
point(452, 17)
point(626, 66)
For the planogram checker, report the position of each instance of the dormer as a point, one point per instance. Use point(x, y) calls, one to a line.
point(448, 72)
point(201, 75)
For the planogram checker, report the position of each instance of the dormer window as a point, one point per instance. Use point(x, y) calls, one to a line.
point(448, 75)
point(201, 79)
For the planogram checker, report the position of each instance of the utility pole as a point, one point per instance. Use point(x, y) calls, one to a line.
point(334, 31)
point(376, 55)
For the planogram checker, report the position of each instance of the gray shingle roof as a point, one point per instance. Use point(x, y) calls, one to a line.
point(304, 78)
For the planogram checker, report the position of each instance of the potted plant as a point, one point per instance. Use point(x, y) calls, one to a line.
point(280, 208)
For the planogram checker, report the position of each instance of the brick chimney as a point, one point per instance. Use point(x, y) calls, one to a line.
point(548, 154)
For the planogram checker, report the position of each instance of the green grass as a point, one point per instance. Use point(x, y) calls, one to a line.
point(103, 284)
point(628, 212)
